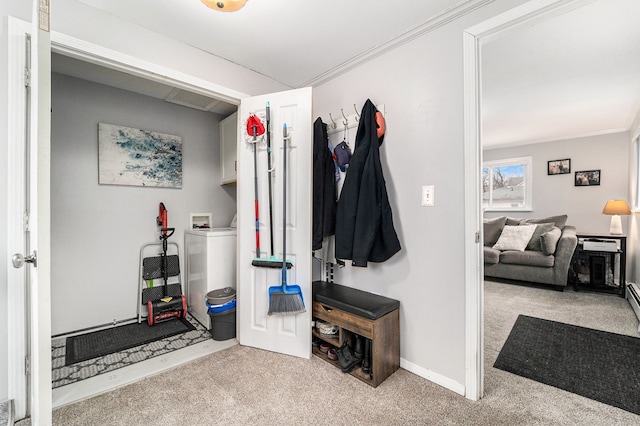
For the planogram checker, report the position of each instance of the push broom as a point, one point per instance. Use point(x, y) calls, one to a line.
point(285, 299)
point(272, 261)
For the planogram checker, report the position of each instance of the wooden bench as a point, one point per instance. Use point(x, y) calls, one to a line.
point(370, 315)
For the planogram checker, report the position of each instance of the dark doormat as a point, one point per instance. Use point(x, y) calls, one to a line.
point(105, 342)
point(592, 363)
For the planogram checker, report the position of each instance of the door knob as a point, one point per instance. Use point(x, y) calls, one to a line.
point(19, 260)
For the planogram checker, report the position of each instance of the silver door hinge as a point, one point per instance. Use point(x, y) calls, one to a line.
point(477, 237)
point(27, 77)
point(25, 221)
point(27, 366)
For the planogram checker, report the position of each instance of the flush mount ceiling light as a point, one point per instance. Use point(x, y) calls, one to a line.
point(225, 5)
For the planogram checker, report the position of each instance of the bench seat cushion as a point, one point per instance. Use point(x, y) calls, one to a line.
point(357, 302)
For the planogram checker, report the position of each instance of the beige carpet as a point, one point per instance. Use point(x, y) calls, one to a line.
point(243, 386)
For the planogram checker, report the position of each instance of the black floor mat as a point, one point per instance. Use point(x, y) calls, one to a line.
point(596, 364)
point(104, 342)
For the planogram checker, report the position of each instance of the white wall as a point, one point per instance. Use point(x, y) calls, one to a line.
point(556, 194)
point(421, 85)
point(97, 230)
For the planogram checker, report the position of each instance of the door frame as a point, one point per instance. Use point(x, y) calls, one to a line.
point(92, 53)
point(473, 38)
point(16, 290)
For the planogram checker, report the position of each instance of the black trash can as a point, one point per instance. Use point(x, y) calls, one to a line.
point(223, 324)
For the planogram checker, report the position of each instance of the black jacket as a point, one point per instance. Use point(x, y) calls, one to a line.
point(324, 186)
point(364, 223)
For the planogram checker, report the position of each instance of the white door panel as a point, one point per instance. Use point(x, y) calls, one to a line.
point(289, 334)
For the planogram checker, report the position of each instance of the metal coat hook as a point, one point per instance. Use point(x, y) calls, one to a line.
point(334, 125)
point(346, 120)
point(357, 115)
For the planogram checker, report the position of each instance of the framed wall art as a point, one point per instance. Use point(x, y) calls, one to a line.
point(587, 178)
point(128, 156)
point(559, 167)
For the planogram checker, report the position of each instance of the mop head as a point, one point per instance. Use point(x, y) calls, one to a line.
point(286, 301)
point(271, 262)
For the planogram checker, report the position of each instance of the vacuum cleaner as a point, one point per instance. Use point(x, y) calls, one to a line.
point(171, 303)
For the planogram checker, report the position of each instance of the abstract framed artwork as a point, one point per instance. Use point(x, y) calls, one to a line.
point(587, 178)
point(128, 156)
point(559, 167)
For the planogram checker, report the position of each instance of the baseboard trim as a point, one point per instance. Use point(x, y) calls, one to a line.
point(436, 378)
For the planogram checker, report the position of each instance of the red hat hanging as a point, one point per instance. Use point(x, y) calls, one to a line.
point(254, 126)
point(380, 125)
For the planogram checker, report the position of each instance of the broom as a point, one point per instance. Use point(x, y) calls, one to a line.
point(285, 299)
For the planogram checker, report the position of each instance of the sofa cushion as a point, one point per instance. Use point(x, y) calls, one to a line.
point(534, 242)
point(491, 255)
point(492, 229)
point(514, 237)
point(558, 221)
point(549, 241)
point(527, 257)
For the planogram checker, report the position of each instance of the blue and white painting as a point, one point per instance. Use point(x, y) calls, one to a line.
point(136, 157)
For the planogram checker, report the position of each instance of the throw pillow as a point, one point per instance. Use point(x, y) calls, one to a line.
point(541, 228)
point(515, 237)
point(558, 221)
point(492, 229)
point(549, 241)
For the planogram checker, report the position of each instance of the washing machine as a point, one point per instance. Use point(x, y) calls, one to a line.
point(210, 262)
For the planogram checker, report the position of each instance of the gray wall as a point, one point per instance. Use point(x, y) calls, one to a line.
point(556, 194)
point(421, 85)
point(97, 230)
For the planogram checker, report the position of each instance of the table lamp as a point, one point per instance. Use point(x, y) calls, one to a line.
point(616, 208)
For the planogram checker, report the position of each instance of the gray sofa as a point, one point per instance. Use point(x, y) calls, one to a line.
point(545, 259)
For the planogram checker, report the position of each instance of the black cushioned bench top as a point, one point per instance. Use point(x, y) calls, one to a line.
point(357, 302)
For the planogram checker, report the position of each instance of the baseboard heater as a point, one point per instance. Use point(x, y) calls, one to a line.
point(633, 296)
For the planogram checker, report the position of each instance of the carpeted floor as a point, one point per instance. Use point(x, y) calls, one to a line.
point(5, 413)
point(243, 385)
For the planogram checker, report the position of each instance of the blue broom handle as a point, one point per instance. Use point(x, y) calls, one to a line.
point(284, 206)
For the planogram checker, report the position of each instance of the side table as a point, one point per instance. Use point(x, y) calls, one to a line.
point(603, 271)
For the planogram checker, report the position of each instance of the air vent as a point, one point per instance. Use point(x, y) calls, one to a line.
point(191, 100)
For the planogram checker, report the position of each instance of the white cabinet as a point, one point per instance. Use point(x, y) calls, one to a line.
point(228, 149)
point(210, 265)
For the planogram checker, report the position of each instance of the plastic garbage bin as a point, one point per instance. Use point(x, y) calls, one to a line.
point(222, 320)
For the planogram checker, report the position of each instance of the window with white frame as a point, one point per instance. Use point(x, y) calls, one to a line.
point(506, 184)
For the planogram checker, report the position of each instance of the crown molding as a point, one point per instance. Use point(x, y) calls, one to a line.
point(431, 24)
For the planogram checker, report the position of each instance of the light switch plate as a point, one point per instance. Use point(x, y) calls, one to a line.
point(428, 195)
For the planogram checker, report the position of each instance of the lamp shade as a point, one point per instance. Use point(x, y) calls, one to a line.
point(225, 5)
point(616, 207)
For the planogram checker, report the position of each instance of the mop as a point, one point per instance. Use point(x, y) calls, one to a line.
point(272, 261)
point(285, 299)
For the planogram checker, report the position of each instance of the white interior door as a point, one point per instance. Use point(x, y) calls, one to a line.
point(289, 334)
point(29, 197)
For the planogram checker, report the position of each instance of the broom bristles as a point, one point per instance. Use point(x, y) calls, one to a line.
point(281, 303)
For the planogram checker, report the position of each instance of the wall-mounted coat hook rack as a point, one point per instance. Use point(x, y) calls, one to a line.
point(349, 120)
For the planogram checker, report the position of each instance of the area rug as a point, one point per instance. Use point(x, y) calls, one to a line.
point(116, 339)
point(592, 363)
point(62, 374)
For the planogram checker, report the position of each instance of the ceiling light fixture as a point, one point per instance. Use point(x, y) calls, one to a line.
point(225, 5)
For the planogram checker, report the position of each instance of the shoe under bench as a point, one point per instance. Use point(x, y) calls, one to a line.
point(370, 315)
